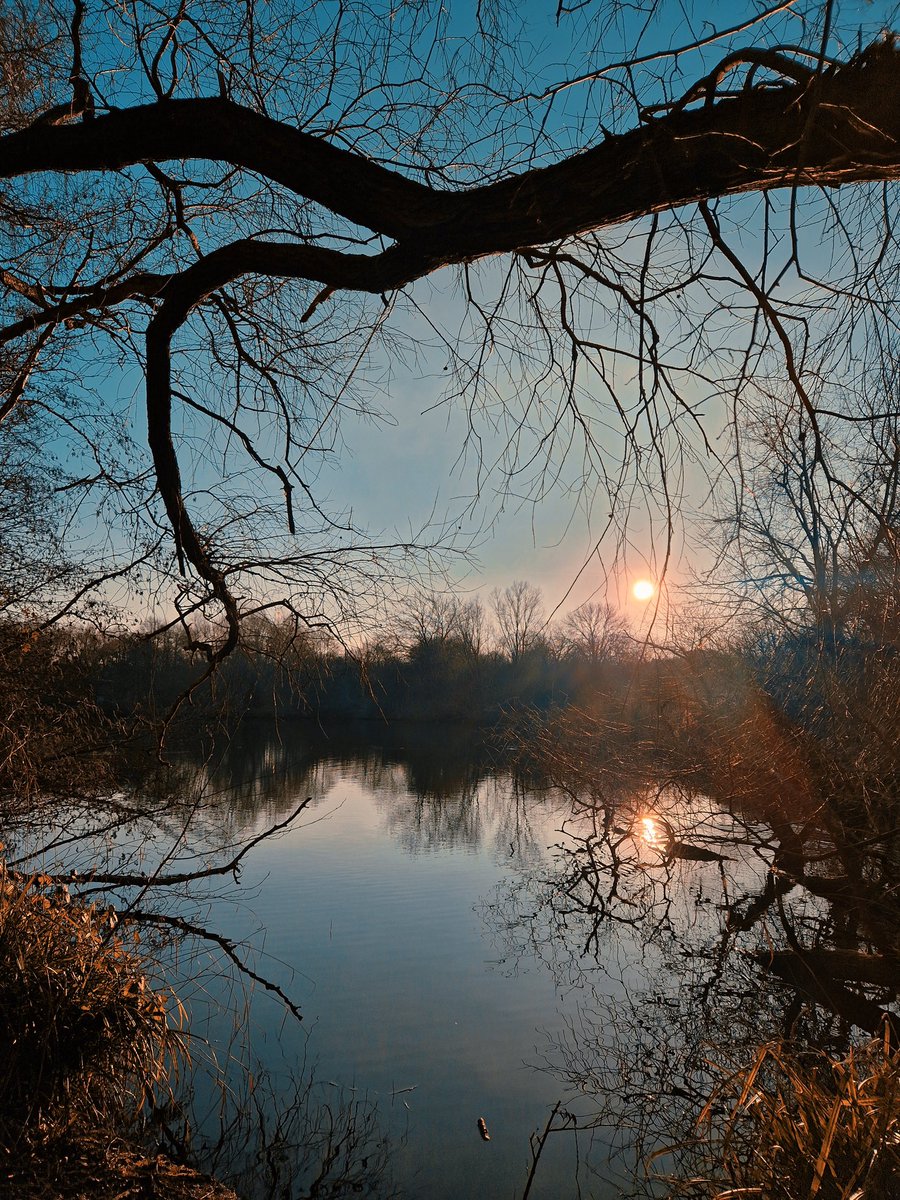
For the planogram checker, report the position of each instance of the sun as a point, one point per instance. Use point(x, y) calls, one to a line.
point(643, 589)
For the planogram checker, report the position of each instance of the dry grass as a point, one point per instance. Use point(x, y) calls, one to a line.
point(84, 1040)
point(85, 1046)
point(103, 1167)
point(797, 1124)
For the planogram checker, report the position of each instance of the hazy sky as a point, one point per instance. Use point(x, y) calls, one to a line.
point(395, 474)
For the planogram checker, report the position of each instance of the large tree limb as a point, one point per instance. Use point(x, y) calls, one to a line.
point(372, 273)
point(842, 126)
point(144, 284)
point(219, 130)
point(837, 127)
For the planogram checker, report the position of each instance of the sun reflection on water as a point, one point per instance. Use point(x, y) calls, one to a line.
point(653, 833)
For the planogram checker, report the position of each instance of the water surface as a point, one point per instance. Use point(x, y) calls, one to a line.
point(465, 940)
point(377, 910)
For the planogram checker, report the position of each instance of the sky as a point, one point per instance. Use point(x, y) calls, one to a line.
point(394, 474)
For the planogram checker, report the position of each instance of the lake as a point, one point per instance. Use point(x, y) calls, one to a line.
point(466, 939)
point(409, 912)
point(382, 913)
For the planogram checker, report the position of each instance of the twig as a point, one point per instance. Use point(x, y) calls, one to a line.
point(536, 1153)
point(154, 880)
point(228, 948)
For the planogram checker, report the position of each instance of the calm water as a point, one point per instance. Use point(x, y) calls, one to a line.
point(428, 914)
point(464, 943)
point(382, 913)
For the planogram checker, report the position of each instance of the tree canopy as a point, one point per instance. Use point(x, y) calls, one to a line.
point(235, 205)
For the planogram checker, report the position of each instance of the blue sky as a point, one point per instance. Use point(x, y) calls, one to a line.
point(394, 473)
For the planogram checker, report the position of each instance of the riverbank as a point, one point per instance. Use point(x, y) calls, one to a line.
point(87, 1046)
point(103, 1166)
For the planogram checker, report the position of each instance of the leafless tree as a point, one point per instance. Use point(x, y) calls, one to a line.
point(472, 624)
point(429, 619)
point(236, 203)
point(441, 618)
point(816, 548)
point(596, 632)
point(519, 609)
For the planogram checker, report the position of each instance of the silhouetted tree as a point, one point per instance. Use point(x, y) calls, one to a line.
point(814, 543)
point(596, 632)
point(237, 202)
point(519, 609)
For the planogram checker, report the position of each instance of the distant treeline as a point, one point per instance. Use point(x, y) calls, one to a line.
point(430, 681)
point(441, 658)
point(445, 680)
point(72, 695)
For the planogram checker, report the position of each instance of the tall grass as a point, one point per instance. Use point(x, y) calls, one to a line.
point(799, 1124)
point(85, 1041)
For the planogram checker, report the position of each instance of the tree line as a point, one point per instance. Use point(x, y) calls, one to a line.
point(440, 657)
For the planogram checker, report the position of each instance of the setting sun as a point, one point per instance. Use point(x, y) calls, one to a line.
point(643, 589)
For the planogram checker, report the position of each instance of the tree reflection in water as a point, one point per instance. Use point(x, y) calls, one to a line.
point(722, 898)
point(725, 897)
point(163, 859)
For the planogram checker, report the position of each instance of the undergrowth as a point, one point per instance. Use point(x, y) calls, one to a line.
point(85, 1041)
point(799, 1124)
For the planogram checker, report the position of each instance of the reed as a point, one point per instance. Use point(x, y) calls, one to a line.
point(799, 1124)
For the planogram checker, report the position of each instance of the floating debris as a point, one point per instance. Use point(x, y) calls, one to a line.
point(483, 1130)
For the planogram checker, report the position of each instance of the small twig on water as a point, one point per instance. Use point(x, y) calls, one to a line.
point(538, 1146)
